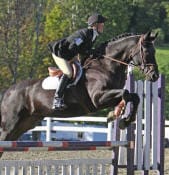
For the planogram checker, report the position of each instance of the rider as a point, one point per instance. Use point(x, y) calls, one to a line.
point(80, 42)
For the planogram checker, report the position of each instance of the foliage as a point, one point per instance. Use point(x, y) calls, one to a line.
point(26, 27)
point(56, 24)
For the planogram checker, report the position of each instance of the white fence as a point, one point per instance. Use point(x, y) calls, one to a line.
point(56, 167)
point(50, 127)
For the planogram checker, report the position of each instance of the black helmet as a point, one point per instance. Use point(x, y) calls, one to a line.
point(96, 18)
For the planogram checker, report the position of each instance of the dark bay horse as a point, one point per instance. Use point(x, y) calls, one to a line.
point(101, 85)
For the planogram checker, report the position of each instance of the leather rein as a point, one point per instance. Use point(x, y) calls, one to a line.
point(140, 51)
point(132, 54)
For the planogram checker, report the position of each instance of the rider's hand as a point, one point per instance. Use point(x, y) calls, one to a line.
point(95, 54)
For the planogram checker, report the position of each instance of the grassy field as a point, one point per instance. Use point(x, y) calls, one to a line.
point(162, 56)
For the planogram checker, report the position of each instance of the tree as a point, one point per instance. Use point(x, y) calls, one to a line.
point(165, 23)
point(10, 24)
point(20, 28)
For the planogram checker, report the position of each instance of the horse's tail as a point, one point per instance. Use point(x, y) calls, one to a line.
point(1, 97)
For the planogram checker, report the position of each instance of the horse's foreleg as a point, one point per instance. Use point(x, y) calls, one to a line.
point(117, 98)
point(125, 122)
point(112, 97)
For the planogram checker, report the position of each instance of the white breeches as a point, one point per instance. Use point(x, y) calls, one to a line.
point(63, 65)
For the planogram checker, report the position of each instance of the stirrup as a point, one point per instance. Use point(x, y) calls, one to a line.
point(58, 104)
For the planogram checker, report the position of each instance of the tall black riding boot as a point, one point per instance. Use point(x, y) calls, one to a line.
point(58, 102)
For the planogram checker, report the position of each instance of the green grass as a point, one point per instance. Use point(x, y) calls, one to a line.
point(162, 57)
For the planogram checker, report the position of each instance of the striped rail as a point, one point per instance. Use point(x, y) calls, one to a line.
point(6, 146)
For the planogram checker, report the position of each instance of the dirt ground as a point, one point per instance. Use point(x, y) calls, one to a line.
point(73, 154)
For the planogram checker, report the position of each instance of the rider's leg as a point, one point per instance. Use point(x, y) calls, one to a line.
point(58, 101)
point(63, 65)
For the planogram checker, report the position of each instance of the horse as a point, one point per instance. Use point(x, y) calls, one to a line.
point(101, 85)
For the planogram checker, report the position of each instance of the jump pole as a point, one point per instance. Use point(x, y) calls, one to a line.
point(6, 146)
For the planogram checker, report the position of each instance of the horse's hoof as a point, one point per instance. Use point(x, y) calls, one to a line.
point(110, 119)
point(122, 123)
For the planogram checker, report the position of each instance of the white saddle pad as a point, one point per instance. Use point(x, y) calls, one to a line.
point(50, 83)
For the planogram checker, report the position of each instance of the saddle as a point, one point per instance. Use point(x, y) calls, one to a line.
point(52, 81)
point(76, 69)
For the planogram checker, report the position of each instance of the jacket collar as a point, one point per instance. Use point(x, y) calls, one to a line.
point(95, 34)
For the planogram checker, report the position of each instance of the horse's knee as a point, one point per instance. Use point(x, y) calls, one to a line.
point(126, 95)
point(133, 97)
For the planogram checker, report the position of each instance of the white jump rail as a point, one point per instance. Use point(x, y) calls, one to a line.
point(50, 127)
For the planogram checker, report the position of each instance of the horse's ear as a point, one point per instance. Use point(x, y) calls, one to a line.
point(147, 35)
point(155, 36)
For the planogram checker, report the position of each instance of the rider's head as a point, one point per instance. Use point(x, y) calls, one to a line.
point(96, 21)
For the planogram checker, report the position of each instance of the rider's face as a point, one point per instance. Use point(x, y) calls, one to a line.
point(100, 27)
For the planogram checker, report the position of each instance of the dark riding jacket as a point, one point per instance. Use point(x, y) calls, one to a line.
point(80, 42)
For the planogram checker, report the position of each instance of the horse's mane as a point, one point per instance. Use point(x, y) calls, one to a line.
point(1, 95)
point(124, 35)
point(101, 47)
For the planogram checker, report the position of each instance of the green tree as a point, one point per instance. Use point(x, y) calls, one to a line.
point(20, 26)
point(57, 23)
point(10, 46)
point(165, 23)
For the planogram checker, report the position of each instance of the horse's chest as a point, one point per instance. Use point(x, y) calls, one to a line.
point(118, 82)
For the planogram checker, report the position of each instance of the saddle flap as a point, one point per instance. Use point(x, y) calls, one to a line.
point(77, 73)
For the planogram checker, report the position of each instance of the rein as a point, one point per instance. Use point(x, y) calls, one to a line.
point(113, 59)
point(118, 61)
point(140, 51)
point(143, 64)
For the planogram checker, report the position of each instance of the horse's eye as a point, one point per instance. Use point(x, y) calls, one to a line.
point(146, 53)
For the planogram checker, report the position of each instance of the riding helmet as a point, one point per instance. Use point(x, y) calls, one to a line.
point(96, 18)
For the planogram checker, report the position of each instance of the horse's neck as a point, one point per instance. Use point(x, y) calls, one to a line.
point(118, 54)
point(114, 50)
point(120, 49)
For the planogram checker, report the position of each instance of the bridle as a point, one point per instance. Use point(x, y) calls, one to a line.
point(141, 52)
point(133, 53)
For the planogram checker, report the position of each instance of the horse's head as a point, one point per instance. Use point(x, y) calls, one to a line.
point(143, 55)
